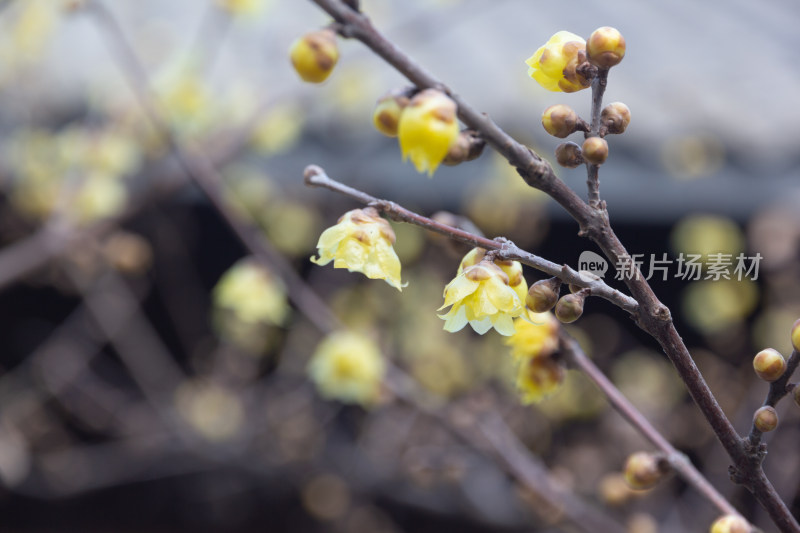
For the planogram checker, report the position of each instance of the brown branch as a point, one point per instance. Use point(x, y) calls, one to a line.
point(573, 354)
point(316, 177)
point(654, 317)
point(599, 84)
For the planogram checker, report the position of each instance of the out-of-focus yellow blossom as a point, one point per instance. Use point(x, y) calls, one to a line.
point(106, 151)
point(98, 197)
point(535, 337)
point(31, 26)
point(538, 377)
point(292, 227)
point(214, 412)
point(347, 366)
point(252, 294)
point(428, 126)
point(243, 7)
point(279, 130)
point(554, 65)
point(361, 241)
point(513, 270)
point(187, 101)
point(480, 295)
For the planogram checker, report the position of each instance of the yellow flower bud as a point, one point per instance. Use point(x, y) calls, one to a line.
point(595, 150)
point(569, 155)
point(796, 335)
point(765, 419)
point(570, 307)
point(387, 113)
point(554, 65)
point(615, 117)
point(730, 524)
point(348, 367)
point(314, 55)
point(543, 295)
point(559, 120)
point(769, 364)
point(361, 241)
point(428, 127)
point(644, 470)
point(605, 47)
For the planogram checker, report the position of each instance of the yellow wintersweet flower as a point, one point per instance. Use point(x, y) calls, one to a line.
point(480, 295)
point(538, 377)
point(252, 294)
point(242, 7)
point(513, 270)
point(348, 367)
point(554, 64)
point(361, 241)
point(536, 337)
point(427, 128)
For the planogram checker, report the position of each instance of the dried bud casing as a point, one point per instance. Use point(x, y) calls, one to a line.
point(769, 364)
point(467, 146)
point(605, 47)
point(796, 335)
point(314, 55)
point(765, 419)
point(595, 150)
point(543, 295)
point(559, 120)
point(570, 307)
point(387, 112)
point(569, 155)
point(730, 524)
point(615, 117)
point(644, 470)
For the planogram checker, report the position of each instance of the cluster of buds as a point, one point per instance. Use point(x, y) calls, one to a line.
point(426, 126)
point(568, 63)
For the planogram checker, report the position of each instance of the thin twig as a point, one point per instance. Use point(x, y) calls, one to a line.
point(572, 353)
point(316, 177)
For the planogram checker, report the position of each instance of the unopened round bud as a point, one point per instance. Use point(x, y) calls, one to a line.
point(615, 117)
point(796, 335)
point(765, 419)
point(570, 307)
point(467, 146)
point(769, 364)
point(614, 490)
point(314, 55)
point(559, 120)
point(387, 112)
point(129, 253)
point(569, 155)
point(543, 295)
point(605, 47)
point(730, 523)
point(643, 471)
point(595, 150)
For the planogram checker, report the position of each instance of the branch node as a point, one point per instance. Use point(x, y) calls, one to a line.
point(310, 175)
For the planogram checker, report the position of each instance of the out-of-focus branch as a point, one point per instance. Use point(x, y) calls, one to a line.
point(205, 175)
point(316, 177)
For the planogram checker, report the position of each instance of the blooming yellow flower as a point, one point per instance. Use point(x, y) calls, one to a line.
point(480, 295)
point(537, 378)
point(348, 367)
point(554, 64)
point(427, 128)
point(361, 241)
point(513, 270)
point(252, 294)
point(535, 337)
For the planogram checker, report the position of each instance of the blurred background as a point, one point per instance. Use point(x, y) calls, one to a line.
point(153, 377)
